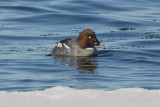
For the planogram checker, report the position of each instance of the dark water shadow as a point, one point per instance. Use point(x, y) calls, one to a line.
point(85, 65)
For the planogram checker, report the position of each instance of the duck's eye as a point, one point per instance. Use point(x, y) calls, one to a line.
point(89, 37)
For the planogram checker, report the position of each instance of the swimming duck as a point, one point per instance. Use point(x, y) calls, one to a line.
point(83, 46)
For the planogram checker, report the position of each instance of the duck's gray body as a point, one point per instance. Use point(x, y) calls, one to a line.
point(70, 47)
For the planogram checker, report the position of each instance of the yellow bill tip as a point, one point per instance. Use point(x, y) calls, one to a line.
point(101, 44)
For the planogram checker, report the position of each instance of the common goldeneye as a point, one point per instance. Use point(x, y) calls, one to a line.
point(83, 46)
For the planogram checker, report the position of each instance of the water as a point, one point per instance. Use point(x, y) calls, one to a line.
point(29, 30)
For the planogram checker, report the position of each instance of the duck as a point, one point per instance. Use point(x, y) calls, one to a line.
point(82, 46)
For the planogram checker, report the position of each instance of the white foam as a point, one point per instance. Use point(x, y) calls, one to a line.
point(68, 97)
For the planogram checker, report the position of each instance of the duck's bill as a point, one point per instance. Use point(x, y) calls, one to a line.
point(98, 43)
point(101, 44)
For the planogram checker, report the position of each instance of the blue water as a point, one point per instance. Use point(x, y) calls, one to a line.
point(29, 30)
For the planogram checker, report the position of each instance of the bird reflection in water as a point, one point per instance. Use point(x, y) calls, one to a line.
point(84, 64)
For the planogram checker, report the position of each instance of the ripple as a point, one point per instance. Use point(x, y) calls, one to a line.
point(129, 30)
point(23, 9)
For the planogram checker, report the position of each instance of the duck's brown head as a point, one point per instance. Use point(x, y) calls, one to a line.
point(87, 39)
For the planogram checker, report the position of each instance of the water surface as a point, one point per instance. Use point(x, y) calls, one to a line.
point(30, 29)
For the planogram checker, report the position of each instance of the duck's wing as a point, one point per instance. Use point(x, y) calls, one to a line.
point(64, 47)
point(67, 43)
